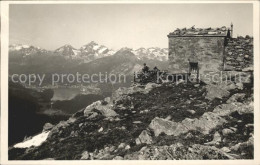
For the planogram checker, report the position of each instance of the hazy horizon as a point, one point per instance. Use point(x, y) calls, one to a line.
point(119, 25)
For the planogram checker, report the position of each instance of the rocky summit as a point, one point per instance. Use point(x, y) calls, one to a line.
point(154, 122)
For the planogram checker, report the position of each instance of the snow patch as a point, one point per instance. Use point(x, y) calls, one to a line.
point(96, 47)
point(102, 50)
point(37, 140)
point(76, 52)
point(19, 47)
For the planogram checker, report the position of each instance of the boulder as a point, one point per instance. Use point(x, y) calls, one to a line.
point(207, 122)
point(240, 85)
point(100, 129)
point(144, 137)
point(236, 97)
point(214, 91)
point(71, 120)
point(226, 109)
point(246, 109)
point(81, 124)
point(90, 107)
point(241, 108)
point(105, 110)
point(225, 149)
point(243, 145)
point(216, 139)
point(93, 115)
point(119, 93)
point(227, 131)
point(118, 158)
point(127, 147)
point(159, 125)
point(137, 122)
point(191, 111)
point(122, 145)
point(47, 127)
point(150, 86)
point(74, 134)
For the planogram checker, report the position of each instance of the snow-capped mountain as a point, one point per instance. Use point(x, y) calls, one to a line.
point(93, 51)
point(14, 47)
point(152, 53)
point(67, 50)
point(26, 49)
point(88, 52)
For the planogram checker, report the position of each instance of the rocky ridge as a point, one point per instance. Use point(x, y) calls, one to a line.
point(156, 121)
point(26, 49)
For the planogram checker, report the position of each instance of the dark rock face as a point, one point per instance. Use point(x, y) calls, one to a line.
point(239, 53)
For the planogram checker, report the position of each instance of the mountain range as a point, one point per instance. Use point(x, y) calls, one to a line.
point(92, 51)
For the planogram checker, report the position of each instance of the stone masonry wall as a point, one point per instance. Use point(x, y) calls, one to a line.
point(239, 53)
point(207, 51)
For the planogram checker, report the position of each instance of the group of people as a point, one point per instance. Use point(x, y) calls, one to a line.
point(146, 69)
point(148, 75)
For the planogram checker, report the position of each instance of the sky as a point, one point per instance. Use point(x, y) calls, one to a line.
point(51, 26)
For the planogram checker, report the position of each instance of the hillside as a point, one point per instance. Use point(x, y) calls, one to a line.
point(25, 110)
point(156, 121)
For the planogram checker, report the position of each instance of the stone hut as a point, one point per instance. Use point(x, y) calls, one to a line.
point(213, 48)
point(205, 46)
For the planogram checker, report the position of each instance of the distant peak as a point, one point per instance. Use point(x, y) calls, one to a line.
point(125, 49)
point(67, 45)
point(92, 43)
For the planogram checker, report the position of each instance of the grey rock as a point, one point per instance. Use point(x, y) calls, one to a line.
point(236, 97)
point(85, 155)
point(227, 131)
point(191, 111)
point(122, 145)
point(118, 158)
point(47, 127)
point(204, 124)
point(144, 137)
point(214, 91)
point(225, 149)
point(137, 122)
point(105, 110)
point(216, 139)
